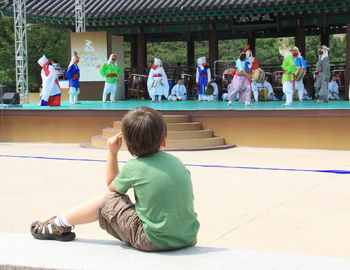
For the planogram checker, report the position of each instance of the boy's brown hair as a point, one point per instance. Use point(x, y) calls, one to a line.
point(143, 129)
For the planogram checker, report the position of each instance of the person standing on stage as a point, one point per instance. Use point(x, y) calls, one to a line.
point(323, 73)
point(299, 62)
point(253, 64)
point(51, 93)
point(111, 71)
point(203, 76)
point(73, 75)
point(241, 80)
point(157, 82)
point(289, 69)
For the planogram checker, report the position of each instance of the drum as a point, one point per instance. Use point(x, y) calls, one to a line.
point(277, 84)
point(258, 75)
point(227, 77)
point(137, 87)
point(264, 94)
point(189, 84)
point(295, 95)
point(300, 73)
point(269, 77)
point(209, 89)
point(309, 82)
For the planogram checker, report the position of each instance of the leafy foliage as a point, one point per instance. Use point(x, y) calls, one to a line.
point(41, 40)
point(7, 53)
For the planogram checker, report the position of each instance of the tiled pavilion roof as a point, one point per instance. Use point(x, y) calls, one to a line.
point(128, 10)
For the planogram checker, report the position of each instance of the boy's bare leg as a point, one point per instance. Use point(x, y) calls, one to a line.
point(84, 213)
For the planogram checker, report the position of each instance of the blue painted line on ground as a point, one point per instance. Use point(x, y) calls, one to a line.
point(191, 165)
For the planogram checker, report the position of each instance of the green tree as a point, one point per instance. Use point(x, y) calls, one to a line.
point(41, 40)
point(7, 53)
point(53, 43)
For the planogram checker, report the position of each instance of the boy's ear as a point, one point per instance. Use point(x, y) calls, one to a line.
point(163, 143)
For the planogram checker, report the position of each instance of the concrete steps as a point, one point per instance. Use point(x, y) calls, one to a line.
point(23, 252)
point(183, 134)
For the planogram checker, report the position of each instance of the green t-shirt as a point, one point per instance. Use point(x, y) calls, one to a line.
point(108, 69)
point(164, 198)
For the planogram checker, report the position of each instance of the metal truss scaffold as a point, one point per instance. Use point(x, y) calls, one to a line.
point(21, 56)
point(80, 16)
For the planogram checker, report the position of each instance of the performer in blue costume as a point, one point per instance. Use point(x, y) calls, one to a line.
point(300, 62)
point(203, 76)
point(73, 74)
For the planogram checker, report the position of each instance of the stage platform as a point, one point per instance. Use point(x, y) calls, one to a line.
point(189, 105)
point(306, 124)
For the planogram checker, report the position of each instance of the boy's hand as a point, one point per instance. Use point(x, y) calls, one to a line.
point(115, 143)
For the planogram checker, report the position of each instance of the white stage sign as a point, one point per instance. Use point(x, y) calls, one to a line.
point(92, 50)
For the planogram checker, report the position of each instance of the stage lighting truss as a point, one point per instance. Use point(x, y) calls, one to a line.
point(21, 56)
point(80, 20)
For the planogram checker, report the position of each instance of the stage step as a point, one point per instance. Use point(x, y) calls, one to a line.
point(184, 126)
point(176, 118)
point(182, 135)
point(172, 135)
point(194, 144)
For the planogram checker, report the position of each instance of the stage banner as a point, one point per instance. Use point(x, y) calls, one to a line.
point(92, 50)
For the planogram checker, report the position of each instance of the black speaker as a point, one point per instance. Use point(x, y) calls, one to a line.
point(10, 98)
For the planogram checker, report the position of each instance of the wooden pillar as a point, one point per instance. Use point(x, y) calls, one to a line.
point(347, 65)
point(300, 36)
point(141, 50)
point(133, 54)
point(213, 46)
point(190, 52)
point(251, 42)
point(325, 37)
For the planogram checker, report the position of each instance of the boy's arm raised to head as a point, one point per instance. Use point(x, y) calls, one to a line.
point(114, 144)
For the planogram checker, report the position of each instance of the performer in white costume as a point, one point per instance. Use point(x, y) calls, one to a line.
point(257, 87)
point(157, 83)
point(178, 92)
point(51, 93)
point(333, 89)
point(214, 96)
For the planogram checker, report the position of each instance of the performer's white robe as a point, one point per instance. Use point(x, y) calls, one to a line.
point(162, 85)
point(178, 92)
point(49, 87)
point(214, 96)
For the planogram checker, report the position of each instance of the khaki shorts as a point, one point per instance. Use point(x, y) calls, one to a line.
point(118, 217)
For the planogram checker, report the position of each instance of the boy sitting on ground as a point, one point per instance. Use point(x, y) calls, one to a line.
point(163, 216)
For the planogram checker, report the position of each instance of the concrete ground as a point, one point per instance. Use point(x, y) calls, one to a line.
point(302, 212)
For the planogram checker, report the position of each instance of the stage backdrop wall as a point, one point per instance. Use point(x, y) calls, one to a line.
point(93, 49)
